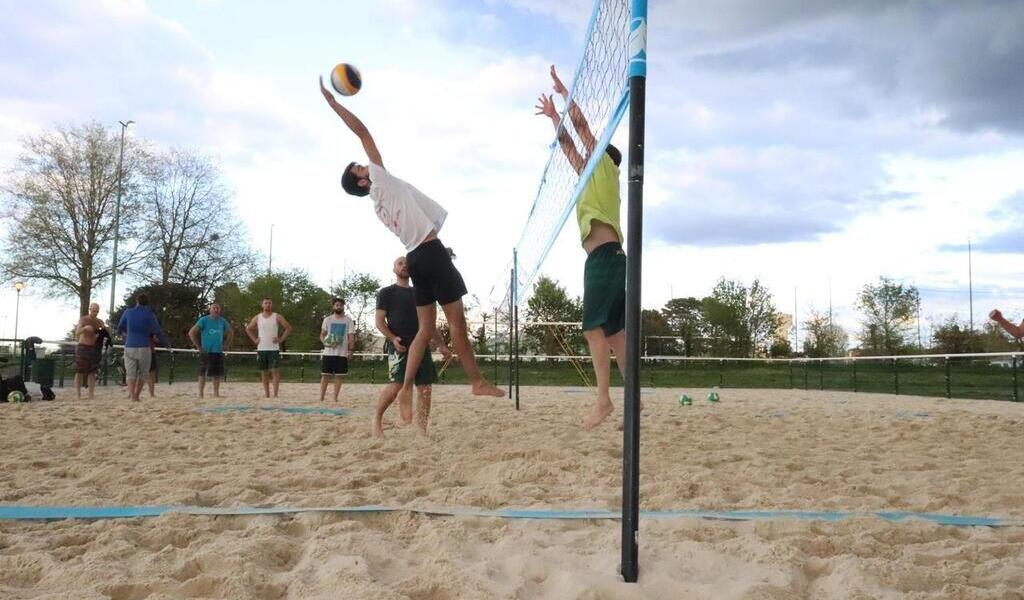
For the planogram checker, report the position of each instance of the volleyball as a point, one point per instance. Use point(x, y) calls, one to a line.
point(15, 396)
point(345, 79)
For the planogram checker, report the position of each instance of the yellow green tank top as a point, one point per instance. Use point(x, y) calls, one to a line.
point(600, 198)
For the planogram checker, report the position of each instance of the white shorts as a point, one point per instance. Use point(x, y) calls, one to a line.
point(136, 363)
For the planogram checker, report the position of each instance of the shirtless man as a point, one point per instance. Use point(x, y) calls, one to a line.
point(87, 354)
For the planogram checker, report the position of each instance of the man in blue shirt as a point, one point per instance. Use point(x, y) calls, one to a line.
point(208, 335)
point(136, 325)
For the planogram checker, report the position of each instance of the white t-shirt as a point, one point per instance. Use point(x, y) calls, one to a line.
point(340, 328)
point(407, 212)
point(267, 329)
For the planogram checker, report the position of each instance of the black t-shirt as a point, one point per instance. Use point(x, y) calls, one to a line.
point(399, 306)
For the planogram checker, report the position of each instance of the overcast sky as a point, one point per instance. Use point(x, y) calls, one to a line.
point(810, 144)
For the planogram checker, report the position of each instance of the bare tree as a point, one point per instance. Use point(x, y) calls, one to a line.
point(195, 237)
point(59, 206)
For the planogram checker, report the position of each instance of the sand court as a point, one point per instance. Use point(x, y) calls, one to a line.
point(776, 450)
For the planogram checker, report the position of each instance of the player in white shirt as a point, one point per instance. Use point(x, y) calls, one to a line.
point(416, 220)
point(337, 334)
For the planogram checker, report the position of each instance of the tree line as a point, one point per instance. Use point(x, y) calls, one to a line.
point(176, 224)
point(740, 320)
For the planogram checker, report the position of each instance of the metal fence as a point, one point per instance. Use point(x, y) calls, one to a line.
point(995, 376)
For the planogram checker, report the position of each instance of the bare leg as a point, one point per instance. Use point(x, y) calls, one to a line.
point(151, 382)
point(456, 315)
point(427, 316)
point(337, 387)
point(78, 385)
point(202, 386)
point(618, 344)
point(91, 379)
point(265, 376)
point(600, 352)
point(216, 387)
point(131, 390)
point(423, 407)
point(323, 386)
point(277, 380)
point(405, 410)
point(387, 396)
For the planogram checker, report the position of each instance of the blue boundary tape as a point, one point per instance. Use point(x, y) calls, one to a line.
point(295, 410)
point(53, 513)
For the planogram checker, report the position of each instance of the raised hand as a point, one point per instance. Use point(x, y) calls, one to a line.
point(558, 86)
point(546, 106)
point(327, 94)
point(995, 315)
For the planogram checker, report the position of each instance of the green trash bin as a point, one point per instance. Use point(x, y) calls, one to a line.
point(43, 370)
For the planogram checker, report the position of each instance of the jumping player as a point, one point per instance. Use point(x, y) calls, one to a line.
point(604, 274)
point(416, 220)
point(1016, 331)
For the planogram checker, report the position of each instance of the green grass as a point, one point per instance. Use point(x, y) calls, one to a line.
point(968, 378)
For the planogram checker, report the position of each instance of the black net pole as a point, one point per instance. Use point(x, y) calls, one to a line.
point(515, 313)
point(511, 284)
point(631, 425)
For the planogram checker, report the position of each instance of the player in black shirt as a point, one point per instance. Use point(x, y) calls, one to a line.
point(397, 322)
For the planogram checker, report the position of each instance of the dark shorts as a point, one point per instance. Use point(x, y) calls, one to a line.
point(333, 365)
point(425, 375)
point(211, 364)
point(604, 289)
point(268, 359)
point(87, 359)
point(434, 276)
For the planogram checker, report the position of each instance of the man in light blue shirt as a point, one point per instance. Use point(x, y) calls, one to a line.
point(136, 325)
point(208, 335)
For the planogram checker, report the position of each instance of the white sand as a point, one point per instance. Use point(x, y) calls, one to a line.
point(757, 449)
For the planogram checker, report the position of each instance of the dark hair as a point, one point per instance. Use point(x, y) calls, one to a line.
point(337, 299)
point(350, 182)
point(142, 299)
point(267, 298)
point(615, 155)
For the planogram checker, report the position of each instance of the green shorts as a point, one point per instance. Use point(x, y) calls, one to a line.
point(604, 289)
point(425, 375)
point(268, 359)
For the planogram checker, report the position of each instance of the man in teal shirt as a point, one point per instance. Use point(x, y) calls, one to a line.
point(208, 335)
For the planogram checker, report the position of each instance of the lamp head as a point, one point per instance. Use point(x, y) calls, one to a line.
point(19, 285)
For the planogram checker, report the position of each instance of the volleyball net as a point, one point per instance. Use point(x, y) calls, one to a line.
point(600, 90)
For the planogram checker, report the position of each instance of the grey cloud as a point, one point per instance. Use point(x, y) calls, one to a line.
point(693, 227)
point(962, 59)
point(1007, 240)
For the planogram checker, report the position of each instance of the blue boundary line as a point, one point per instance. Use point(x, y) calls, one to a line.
point(295, 410)
point(54, 513)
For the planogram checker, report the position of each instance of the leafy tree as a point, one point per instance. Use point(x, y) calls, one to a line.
point(295, 296)
point(824, 339)
point(194, 237)
point(551, 304)
point(176, 307)
point(889, 310)
point(59, 206)
point(654, 325)
point(781, 348)
point(685, 318)
point(481, 345)
point(994, 339)
point(360, 293)
point(741, 321)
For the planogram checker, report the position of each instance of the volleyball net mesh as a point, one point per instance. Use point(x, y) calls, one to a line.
point(600, 89)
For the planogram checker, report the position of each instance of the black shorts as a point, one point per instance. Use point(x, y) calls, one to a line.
point(333, 365)
point(434, 276)
point(211, 364)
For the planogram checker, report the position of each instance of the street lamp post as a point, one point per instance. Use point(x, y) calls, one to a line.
point(17, 306)
point(117, 217)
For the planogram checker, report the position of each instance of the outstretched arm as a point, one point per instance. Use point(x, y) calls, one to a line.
point(1016, 331)
point(579, 121)
point(354, 124)
point(546, 106)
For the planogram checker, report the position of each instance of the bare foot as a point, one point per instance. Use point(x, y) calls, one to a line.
point(486, 388)
point(376, 428)
point(598, 414)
